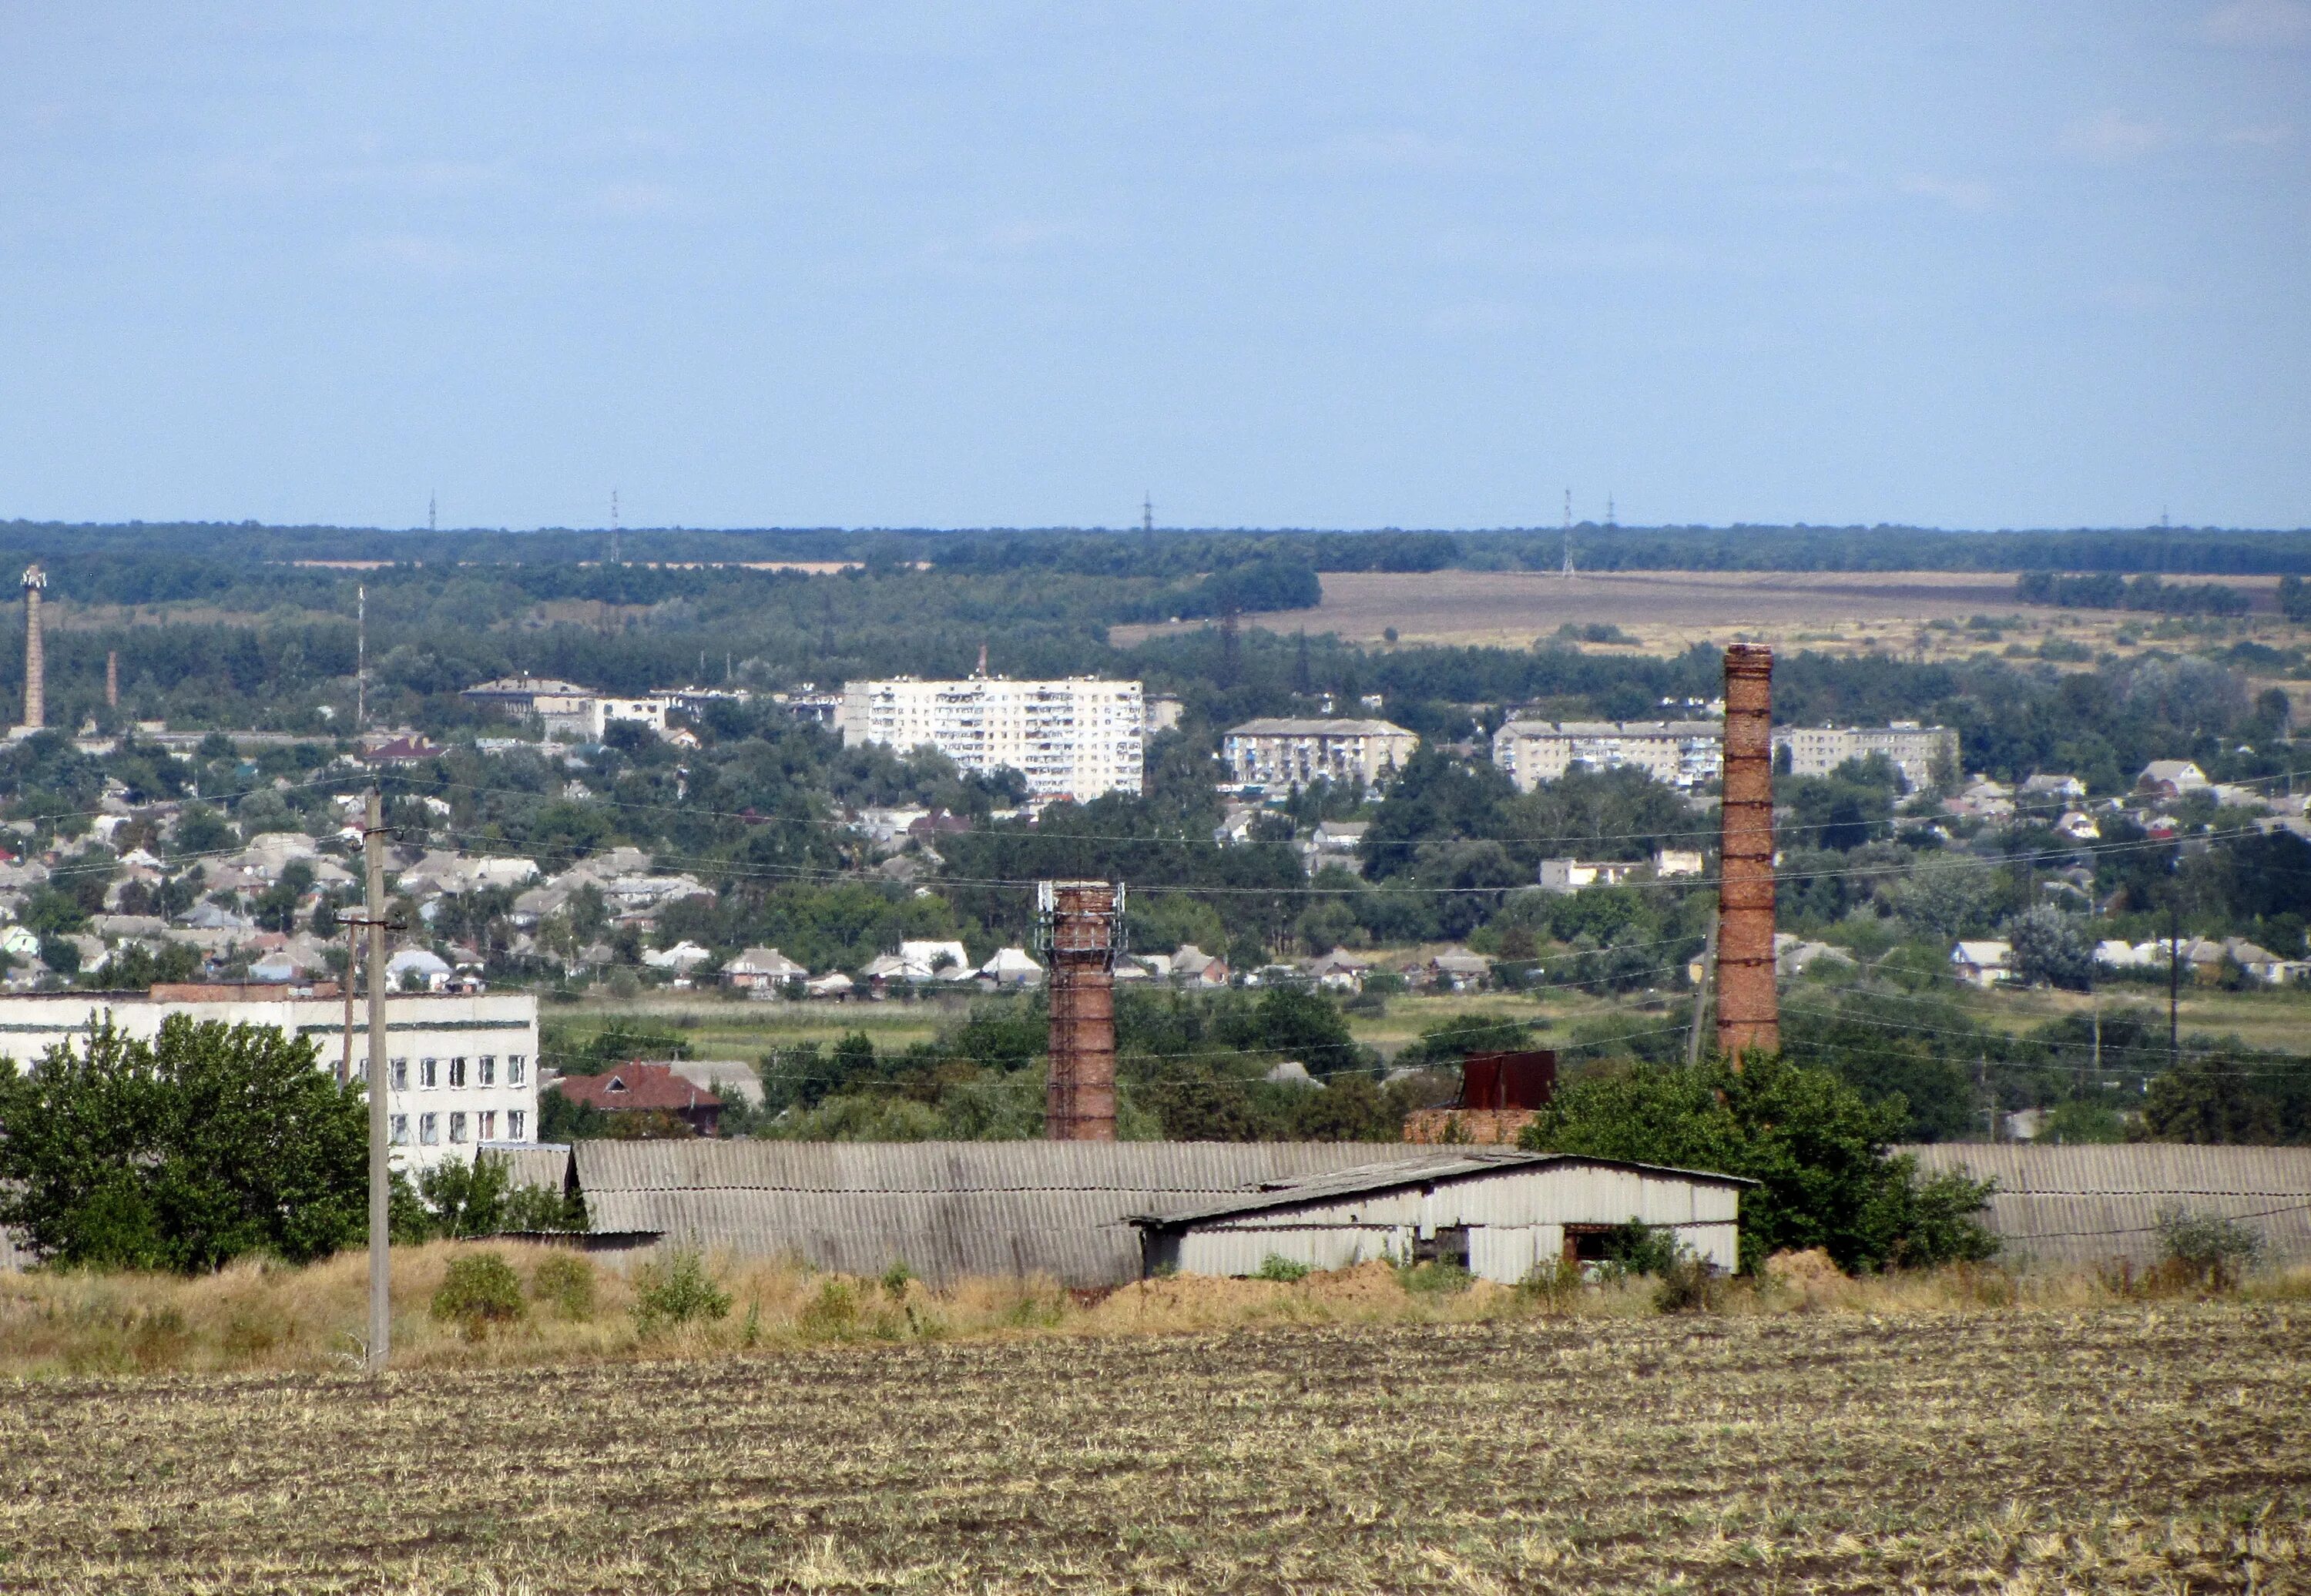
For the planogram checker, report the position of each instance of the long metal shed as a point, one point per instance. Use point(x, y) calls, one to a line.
point(947, 1210)
point(2073, 1205)
point(1494, 1212)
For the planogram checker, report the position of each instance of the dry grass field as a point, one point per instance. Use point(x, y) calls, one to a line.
point(1666, 611)
point(2153, 1449)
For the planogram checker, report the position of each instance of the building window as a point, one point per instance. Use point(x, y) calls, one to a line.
point(489, 1124)
point(457, 1129)
point(400, 1131)
point(429, 1128)
point(486, 1071)
point(400, 1075)
point(515, 1070)
point(456, 1072)
point(428, 1073)
point(516, 1124)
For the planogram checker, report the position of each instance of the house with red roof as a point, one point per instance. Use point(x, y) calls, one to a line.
point(646, 1088)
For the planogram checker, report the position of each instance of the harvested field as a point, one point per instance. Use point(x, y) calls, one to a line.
point(1667, 610)
point(2160, 1448)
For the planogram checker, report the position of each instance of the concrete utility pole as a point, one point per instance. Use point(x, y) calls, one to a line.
point(353, 924)
point(380, 1178)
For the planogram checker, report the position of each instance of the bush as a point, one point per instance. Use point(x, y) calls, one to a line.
point(1441, 1278)
point(481, 1289)
point(567, 1281)
point(1689, 1285)
point(1554, 1287)
point(1276, 1267)
point(832, 1313)
point(1637, 1248)
point(677, 1293)
point(2208, 1250)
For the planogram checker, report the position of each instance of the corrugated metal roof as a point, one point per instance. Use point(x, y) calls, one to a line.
point(548, 1167)
point(2085, 1205)
point(947, 1210)
point(1460, 1163)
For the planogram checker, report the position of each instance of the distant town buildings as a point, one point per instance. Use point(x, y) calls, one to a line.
point(1078, 738)
point(1917, 751)
point(462, 1070)
point(1683, 754)
point(1293, 752)
point(569, 709)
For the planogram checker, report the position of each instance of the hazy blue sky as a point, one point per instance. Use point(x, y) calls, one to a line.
point(1311, 265)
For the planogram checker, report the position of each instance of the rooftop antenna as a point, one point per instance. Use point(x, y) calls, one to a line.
point(1148, 513)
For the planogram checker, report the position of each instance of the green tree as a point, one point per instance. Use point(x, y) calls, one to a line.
point(182, 1154)
point(1817, 1148)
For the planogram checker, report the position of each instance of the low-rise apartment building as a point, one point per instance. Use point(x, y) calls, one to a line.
point(461, 1069)
point(1078, 738)
point(1917, 751)
point(1683, 754)
point(1293, 752)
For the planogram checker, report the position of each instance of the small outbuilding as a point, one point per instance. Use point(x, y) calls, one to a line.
point(1496, 1213)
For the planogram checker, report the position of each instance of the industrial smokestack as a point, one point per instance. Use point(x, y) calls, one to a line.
point(1749, 1008)
point(35, 665)
point(112, 679)
point(1082, 926)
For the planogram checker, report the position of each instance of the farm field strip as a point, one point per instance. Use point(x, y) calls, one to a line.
point(2128, 1449)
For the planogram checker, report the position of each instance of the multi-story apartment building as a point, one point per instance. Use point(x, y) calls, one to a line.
point(1076, 738)
point(1915, 750)
point(461, 1071)
point(1293, 752)
point(1684, 754)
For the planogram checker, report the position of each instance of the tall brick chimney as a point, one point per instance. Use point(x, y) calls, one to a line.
point(1749, 1008)
point(112, 679)
point(1082, 931)
point(35, 665)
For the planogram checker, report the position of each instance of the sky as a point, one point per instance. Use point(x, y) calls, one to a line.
point(1296, 264)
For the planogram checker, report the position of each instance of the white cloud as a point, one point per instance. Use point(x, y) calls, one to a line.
point(2261, 25)
point(1960, 194)
point(2113, 135)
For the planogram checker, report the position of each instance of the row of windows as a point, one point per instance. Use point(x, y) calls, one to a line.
point(484, 1123)
point(484, 1071)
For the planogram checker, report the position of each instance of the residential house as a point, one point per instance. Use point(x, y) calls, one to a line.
point(682, 958)
point(1285, 752)
point(1335, 843)
point(1338, 971)
point(1011, 967)
point(646, 1089)
point(762, 970)
point(1670, 862)
point(1982, 963)
point(1457, 970)
point(1192, 966)
point(2171, 778)
point(1571, 875)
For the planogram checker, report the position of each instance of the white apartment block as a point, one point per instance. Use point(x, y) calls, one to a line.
point(1683, 754)
point(461, 1071)
point(1078, 738)
point(1293, 752)
point(1914, 749)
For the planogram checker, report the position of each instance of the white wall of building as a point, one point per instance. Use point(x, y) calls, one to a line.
point(1515, 1218)
point(465, 1038)
point(1075, 738)
point(1914, 749)
point(1682, 753)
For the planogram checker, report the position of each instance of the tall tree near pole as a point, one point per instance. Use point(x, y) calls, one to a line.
point(380, 1178)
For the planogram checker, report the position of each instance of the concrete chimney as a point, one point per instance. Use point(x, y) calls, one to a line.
point(1082, 926)
point(35, 665)
point(112, 679)
point(1748, 1007)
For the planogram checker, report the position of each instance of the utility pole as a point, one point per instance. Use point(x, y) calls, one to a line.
point(2174, 979)
point(1701, 994)
point(380, 1179)
point(360, 658)
point(353, 962)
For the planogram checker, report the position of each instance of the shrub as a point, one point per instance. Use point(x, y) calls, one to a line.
point(481, 1289)
point(895, 1278)
point(677, 1293)
point(1637, 1248)
point(1554, 1287)
point(1276, 1267)
point(2208, 1250)
point(832, 1313)
point(567, 1281)
point(1441, 1278)
point(1689, 1285)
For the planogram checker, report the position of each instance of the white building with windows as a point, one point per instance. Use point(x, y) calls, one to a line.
point(461, 1071)
point(1683, 754)
point(1915, 750)
point(1078, 738)
point(1293, 752)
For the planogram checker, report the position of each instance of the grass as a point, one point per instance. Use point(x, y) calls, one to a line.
point(2159, 1448)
